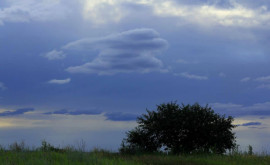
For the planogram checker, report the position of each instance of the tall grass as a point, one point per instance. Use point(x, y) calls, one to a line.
point(47, 154)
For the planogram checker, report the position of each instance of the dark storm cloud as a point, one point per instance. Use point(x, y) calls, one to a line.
point(120, 116)
point(251, 124)
point(17, 112)
point(130, 51)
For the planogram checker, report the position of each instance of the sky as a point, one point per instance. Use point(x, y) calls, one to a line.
point(85, 69)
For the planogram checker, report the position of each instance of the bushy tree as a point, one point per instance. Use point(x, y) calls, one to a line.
point(181, 129)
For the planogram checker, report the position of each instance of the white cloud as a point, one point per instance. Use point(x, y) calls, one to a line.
point(246, 79)
point(126, 52)
point(265, 86)
point(60, 82)
point(103, 11)
point(263, 79)
point(191, 76)
point(113, 11)
point(2, 86)
point(55, 55)
point(207, 15)
point(237, 15)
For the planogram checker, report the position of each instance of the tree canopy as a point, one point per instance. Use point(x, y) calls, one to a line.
point(181, 129)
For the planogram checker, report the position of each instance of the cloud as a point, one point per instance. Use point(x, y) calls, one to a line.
point(74, 113)
point(2, 86)
point(251, 124)
point(113, 116)
point(31, 10)
point(263, 79)
point(126, 52)
point(191, 76)
point(259, 109)
point(205, 13)
point(235, 14)
point(120, 116)
point(246, 79)
point(103, 11)
point(265, 86)
point(60, 82)
point(226, 105)
point(16, 112)
point(221, 74)
point(55, 55)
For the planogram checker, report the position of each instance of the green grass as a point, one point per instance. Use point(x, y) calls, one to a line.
point(56, 158)
point(19, 154)
point(106, 158)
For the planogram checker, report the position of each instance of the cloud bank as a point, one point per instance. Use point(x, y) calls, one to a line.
point(209, 13)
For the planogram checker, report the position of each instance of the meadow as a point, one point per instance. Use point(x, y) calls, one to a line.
point(18, 154)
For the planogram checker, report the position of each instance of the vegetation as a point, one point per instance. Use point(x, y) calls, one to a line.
point(48, 154)
point(181, 129)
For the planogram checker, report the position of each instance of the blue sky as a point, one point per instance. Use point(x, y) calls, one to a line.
point(72, 70)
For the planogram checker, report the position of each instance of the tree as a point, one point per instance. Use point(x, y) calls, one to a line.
point(181, 129)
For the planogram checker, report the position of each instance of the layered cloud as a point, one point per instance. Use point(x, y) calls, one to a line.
point(60, 82)
point(126, 52)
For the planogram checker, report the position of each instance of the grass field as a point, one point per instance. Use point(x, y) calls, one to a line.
point(107, 158)
point(18, 154)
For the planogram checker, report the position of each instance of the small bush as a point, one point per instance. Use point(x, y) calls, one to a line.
point(17, 147)
point(46, 147)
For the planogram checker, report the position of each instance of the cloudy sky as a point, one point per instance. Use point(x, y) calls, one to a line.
point(84, 69)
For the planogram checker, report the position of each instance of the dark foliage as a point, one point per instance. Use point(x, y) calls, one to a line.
point(181, 129)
